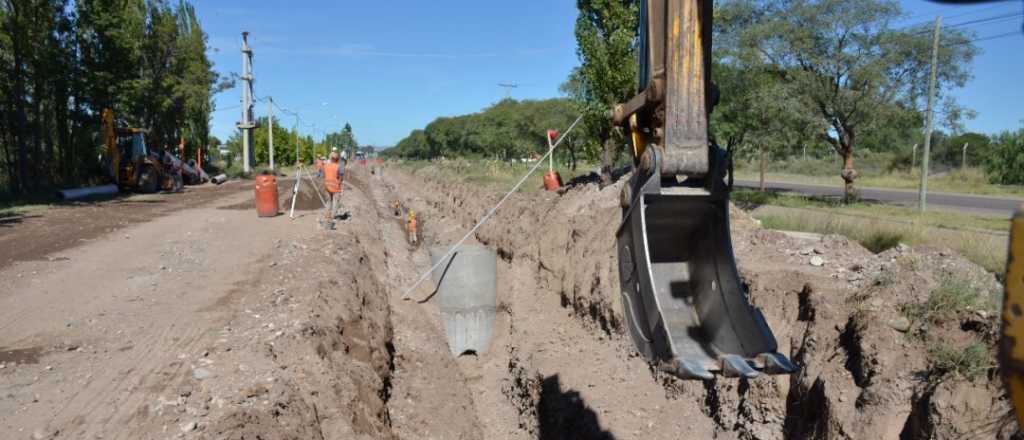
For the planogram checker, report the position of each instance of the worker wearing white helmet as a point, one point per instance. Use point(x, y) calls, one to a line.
point(334, 177)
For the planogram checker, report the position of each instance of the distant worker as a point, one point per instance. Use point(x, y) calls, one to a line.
point(334, 175)
point(413, 238)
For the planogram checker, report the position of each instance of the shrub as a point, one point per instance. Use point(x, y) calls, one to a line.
point(967, 362)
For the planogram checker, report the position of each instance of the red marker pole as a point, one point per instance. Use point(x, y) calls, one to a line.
point(552, 181)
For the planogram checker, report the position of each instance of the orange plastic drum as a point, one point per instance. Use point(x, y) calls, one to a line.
point(266, 195)
point(552, 181)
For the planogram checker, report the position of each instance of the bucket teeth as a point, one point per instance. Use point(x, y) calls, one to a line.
point(692, 370)
point(775, 363)
point(733, 365)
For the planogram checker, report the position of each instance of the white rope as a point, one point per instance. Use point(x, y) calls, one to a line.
point(490, 213)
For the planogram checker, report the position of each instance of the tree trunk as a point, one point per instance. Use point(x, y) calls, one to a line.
point(764, 154)
point(849, 175)
point(606, 158)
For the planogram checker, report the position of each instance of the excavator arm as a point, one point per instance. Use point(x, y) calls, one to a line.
point(685, 306)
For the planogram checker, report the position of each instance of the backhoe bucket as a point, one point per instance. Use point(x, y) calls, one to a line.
point(685, 306)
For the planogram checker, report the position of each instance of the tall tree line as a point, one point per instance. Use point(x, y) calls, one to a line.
point(62, 62)
point(507, 130)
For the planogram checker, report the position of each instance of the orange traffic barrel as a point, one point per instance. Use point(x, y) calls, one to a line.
point(266, 195)
point(552, 181)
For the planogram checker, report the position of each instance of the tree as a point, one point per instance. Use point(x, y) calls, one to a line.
point(508, 130)
point(846, 64)
point(606, 37)
point(1005, 162)
point(63, 62)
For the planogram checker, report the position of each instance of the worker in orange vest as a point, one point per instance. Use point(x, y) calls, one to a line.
point(413, 238)
point(334, 175)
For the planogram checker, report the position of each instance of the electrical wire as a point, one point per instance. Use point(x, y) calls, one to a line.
point(490, 213)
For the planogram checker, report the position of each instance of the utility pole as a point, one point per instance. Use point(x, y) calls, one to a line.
point(923, 196)
point(270, 129)
point(508, 88)
point(247, 123)
point(963, 159)
point(913, 158)
point(298, 160)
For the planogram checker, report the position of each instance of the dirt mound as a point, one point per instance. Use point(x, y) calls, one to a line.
point(307, 354)
point(307, 200)
point(881, 350)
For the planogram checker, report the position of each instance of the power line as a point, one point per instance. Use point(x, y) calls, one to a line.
point(981, 21)
point(962, 14)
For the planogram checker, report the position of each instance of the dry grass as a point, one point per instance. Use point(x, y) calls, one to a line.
point(983, 247)
point(967, 362)
point(953, 296)
point(969, 181)
point(498, 175)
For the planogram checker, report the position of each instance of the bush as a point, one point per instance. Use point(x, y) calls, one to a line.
point(1005, 162)
point(953, 296)
point(881, 240)
point(966, 362)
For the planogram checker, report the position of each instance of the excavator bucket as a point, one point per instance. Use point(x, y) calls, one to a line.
point(685, 306)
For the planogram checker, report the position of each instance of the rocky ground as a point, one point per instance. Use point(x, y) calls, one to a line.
point(209, 322)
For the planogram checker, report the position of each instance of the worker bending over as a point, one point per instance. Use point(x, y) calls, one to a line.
point(334, 175)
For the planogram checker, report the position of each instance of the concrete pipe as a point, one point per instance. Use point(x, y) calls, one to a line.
point(467, 286)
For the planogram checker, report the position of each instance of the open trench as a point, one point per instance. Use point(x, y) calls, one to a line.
point(560, 366)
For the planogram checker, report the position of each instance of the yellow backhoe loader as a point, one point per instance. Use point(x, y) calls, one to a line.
point(132, 165)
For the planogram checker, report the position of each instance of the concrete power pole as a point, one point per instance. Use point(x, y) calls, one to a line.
point(913, 158)
point(923, 196)
point(270, 129)
point(963, 158)
point(247, 123)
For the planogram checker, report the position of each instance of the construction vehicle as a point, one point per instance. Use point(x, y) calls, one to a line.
point(686, 307)
point(132, 165)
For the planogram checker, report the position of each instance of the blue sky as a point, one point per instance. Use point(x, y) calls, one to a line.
point(394, 66)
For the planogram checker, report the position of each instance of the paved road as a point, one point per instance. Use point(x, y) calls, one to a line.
point(986, 205)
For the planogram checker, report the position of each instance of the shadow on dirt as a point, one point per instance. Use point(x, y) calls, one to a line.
point(564, 415)
point(595, 178)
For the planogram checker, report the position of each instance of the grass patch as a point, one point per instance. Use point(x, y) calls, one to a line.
point(749, 198)
point(969, 181)
point(980, 239)
point(879, 237)
point(495, 174)
point(967, 362)
point(882, 240)
point(982, 247)
point(953, 295)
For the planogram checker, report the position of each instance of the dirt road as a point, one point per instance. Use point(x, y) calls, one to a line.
point(212, 323)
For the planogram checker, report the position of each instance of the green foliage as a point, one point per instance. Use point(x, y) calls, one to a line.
point(1004, 162)
point(284, 145)
point(507, 130)
point(882, 240)
point(967, 362)
point(849, 69)
point(343, 140)
point(606, 44)
point(953, 296)
point(63, 62)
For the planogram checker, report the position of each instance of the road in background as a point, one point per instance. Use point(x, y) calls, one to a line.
point(973, 204)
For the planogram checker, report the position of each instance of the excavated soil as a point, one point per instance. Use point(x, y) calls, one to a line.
point(40, 233)
point(564, 365)
point(238, 327)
